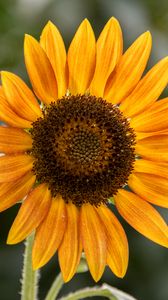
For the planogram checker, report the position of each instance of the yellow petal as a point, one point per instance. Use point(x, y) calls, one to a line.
point(142, 216)
point(129, 70)
point(94, 240)
point(70, 250)
point(14, 140)
point(40, 71)
point(49, 233)
point(151, 188)
point(13, 167)
point(147, 90)
point(8, 116)
point(52, 43)
point(109, 50)
point(152, 119)
point(31, 214)
point(12, 192)
point(20, 97)
point(154, 148)
point(117, 245)
point(81, 59)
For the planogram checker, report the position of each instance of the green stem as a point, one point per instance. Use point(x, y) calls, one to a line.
point(103, 291)
point(55, 288)
point(90, 292)
point(29, 277)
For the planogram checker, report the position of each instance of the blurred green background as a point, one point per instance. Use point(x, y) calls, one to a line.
point(147, 276)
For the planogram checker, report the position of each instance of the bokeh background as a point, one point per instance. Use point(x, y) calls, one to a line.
point(147, 276)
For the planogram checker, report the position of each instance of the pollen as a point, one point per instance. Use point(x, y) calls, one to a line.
point(83, 149)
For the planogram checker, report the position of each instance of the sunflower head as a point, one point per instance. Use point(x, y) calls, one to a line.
point(91, 127)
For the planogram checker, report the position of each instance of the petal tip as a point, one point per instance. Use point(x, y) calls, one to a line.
point(113, 20)
point(85, 23)
point(13, 238)
point(148, 35)
point(10, 240)
point(123, 272)
point(96, 277)
point(29, 39)
point(67, 277)
point(2, 72)
point(113, 24)
point(27, 36)
point(85, 20)
point(49, 25)
point(5, 74)
point(36, 265)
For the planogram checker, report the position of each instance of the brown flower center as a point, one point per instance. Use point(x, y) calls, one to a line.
point(83, 149)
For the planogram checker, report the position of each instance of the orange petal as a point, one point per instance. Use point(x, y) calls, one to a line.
point(153, 119)
point(20, 97)
point(13, 167)
point(8, 116)
point(153, 147)
point(49, 233)
point(147, 90)
point(142, 216)
point(52, 43)
point(151, 188)
point(143, 135)
point(117, 245)
point(70, 250)
point(94, 240)
point(40, 71)
point(81, 59)
point(31, 214)
point(129, 70)
point(13, 140)
point(12, 192)
point(109, 51)
point(150, 167)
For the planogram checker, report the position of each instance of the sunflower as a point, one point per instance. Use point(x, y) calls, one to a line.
point(94, 133)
